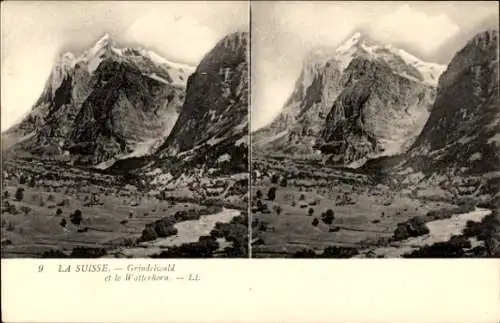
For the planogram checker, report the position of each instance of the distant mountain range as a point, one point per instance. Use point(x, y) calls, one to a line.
point(114, 104)
point(360, 100)
point(356, 104)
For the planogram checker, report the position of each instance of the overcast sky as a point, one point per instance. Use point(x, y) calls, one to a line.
point(283, 32)
point(35, 33)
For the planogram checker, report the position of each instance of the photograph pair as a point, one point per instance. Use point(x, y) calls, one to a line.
point(250, 129)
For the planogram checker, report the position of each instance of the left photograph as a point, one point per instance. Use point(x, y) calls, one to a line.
point(124, 129)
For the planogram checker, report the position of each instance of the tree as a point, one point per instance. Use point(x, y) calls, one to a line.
point(63, 223)
point(284, 182)
point(6, 194)
point(315, 222)
point(77, 217)
point(32, 181)
point(311, 211)
point(271, 195)
point(278, 210)
point(258, 194)
point(19, 194)
point(58, 212)
point(274, 179)
point(25, 209)
point(302, 197)
point(328, 216)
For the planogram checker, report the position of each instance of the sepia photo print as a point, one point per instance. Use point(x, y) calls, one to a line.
point(375, 129)
point(125, 129)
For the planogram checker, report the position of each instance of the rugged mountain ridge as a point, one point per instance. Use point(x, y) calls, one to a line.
point(213, 124)
point(329, 108)
point(462, 133)
point(106, 104)
point(378, 112)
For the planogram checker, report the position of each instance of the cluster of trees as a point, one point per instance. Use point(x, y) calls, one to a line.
point(159, 229)
point(236, 232)
point(414, 227)
point(486, 231)
point(77, 252)
point(203, 248)
point(328, 252)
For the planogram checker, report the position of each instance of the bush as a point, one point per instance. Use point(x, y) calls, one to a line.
point(412, 228)
point(315, 222)
point(204, 248)
point(25, 209)
point(164, 230)
point(54, 254)
point(339, 252)
point(77, 217)
point(63, 223)
point(284, 182)
point(88, 252)
point(10, 226)
point(6, 194)
point(19, 194)
point(278, 210)
point(59, 212)
point(486, 231)
point(148, 234)
point(328, 216)
point(271, 195)
point(264, 208)
point(258, 194)
point(310, 211)
point(274, 179)
point(302, 197)
point(305, 253)
point(123, 222)
point(450, 249)
point(64, 202)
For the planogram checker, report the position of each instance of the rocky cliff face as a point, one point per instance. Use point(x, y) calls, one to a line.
point(360, 100)
point(106, 104)
point(462, 133)
point(213, 124)
point(378, 112)
point(300, 122)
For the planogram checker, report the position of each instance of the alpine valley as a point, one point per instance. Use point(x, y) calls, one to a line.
point(378, 153)
point(128, 154)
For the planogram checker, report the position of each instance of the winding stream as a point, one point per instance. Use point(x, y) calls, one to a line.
point(440, 231)
point(188, 231)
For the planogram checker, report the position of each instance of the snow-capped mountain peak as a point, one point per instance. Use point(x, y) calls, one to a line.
point(361, 45)
point(356, 40)
point(102, 44)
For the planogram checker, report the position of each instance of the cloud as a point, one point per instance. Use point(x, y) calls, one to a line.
point(33, 34)
point(407, 25)
point(286, 31)
point(181, 36)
